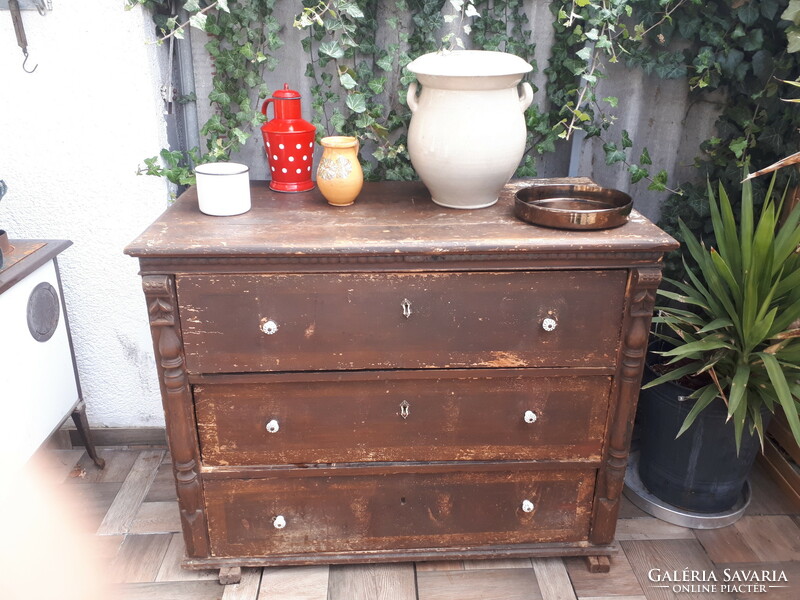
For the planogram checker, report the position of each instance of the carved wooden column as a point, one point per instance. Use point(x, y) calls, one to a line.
point(641, 294)
point(159, 291)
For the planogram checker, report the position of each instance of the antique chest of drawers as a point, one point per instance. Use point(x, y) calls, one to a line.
point(395, 380)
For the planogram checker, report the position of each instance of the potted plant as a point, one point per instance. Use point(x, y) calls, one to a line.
point(730, 354)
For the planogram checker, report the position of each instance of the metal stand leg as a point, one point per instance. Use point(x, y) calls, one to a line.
point(82, 425)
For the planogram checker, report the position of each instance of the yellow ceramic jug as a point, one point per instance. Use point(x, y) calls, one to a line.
point(339, 174)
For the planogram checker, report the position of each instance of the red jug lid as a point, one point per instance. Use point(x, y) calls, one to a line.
point(286, 93)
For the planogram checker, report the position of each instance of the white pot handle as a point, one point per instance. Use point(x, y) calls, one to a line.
point(526, 97)
point(411, 96)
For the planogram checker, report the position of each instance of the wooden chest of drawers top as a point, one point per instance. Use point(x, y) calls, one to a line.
point(389, 219)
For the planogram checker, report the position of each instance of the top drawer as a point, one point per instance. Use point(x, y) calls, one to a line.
point(277, 322)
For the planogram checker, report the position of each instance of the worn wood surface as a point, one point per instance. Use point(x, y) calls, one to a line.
point(489, 584)
point(125, 507)
point(295, 583)
point(552, 577)
point(369, 582)
point(452, 415)
point(506, 578)
point(408, 509)
point(28, 255)
point(407, 341)
point(455, 320)
point(390, 218)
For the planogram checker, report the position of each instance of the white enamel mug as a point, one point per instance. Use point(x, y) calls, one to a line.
point(223, 189)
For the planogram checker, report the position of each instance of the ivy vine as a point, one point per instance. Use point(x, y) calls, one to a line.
point(738, 50)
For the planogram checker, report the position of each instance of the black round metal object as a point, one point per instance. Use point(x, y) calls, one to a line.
point(572, 206)
point(43, 312)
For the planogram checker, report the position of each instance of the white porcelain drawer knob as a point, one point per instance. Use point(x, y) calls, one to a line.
point(273, 426)
point(530, 416)
point(549, 324)
point(527, 506)
point(269, 326)
point(279, 522)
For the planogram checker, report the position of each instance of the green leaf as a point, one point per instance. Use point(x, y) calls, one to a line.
point(613, 154)
point(626, 140)
point(332, 49)
point(738, 146)
point(748, 12)
point(191, 5)
point(645, 157)
point(707, 396)
point(377, 85)
point(612, 101)
point(792, 12)
point(386, 63)
point(223, 5)
point(738, 387)
point(198, 21)
point(637, 173)
point(778, 380)
point(659, 183)
point(347, 81)
point(673, 375)
point(356, 102)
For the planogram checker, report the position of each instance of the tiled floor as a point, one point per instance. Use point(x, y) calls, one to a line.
point(130, 510)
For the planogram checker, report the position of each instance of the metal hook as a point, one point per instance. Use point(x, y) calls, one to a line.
point(24, 62)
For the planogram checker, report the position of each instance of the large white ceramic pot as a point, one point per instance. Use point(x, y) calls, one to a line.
point(467, 132)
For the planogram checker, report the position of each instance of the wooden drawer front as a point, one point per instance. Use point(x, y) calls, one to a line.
point(357, 417)
point(358, 321)
point(419, 508)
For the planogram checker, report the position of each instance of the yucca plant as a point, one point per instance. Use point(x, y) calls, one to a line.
point(737, 330)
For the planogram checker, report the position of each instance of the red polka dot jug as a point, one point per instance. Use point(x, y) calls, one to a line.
point(288, 143)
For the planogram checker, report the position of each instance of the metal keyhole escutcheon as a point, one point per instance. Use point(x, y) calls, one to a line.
point(404, 409)
point(406, 304)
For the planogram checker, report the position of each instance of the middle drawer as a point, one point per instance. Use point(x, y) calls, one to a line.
point(507, 414)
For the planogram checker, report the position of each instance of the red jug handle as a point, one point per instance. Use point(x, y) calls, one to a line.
point(264, 106)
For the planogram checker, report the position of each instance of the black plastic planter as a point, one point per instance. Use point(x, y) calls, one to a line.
point(699, 471)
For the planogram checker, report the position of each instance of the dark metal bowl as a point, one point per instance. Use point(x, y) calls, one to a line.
point(572, 206)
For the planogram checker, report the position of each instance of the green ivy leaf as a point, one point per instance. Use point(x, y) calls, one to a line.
point(198, 21)
point(223, 5)
point(337, 121)
point(626, 140)
point(793, 38)
point(347, 81)
point(377, 85)
point(191, 5)
point(613, 154)
point(637, 173)
point(659, 183)
point(356, 102)
point(386, 63)
point(738, 146)
point(332, 49)
point(645, 157)
point(792, 12)
point(612, 101)
point(748, 12)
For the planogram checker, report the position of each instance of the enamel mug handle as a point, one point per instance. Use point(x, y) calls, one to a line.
point(526, 97)
point(264, 107)
point(411, 96)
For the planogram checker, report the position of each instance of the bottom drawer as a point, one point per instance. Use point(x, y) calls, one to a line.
point(348, 509)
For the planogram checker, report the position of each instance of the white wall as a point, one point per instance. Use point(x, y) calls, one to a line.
point(71, 137)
